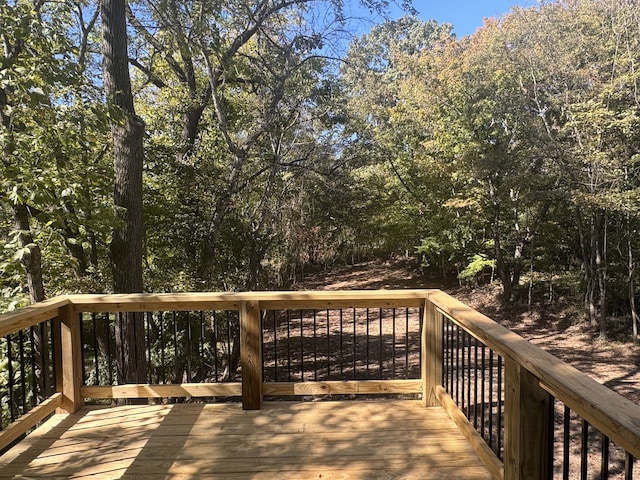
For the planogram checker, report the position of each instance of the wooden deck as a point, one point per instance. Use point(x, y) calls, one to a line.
point(310, 440)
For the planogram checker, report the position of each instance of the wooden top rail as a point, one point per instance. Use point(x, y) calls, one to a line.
point(609, 412)
point(32, 315)
point(145, 302)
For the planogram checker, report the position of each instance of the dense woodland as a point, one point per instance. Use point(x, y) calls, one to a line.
point(237, 145)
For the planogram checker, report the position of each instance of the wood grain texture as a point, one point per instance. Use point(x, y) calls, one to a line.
point(606, 410)
point(287, 440)
point(431, 367)
point(486, 455)
point(70, 359)
point(31, 315)
point(29, 420)
point(233, 300)
point(251, 355)
point(231, 389)
point(526, 426)
point(234, 389)
point(348, 387)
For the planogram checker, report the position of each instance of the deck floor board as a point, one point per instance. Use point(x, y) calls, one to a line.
point(376, 440)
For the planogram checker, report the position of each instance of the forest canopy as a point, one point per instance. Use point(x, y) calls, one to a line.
point(283, 136)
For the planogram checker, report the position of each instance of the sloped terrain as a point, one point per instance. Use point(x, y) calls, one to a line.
point(557, 327)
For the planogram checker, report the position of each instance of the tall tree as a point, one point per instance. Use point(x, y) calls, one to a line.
point(127, 131)
point(23, 39)
point(247, 73)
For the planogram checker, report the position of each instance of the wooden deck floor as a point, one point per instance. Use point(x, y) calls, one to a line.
point(312, 440)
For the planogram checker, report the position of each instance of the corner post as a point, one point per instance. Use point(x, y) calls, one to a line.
point(68, 359)
point(526, 425)
point(251, 355)
point(432, 354)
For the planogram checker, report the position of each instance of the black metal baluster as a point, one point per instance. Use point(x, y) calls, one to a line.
point(457, 365)
point(366, 371)
point(119, 321)
point(328, 347)
point(584, 453)
point(406, 343)
point(380, 341)
point(475, 384)
point(216, 337)
point(420, 322)
point(355, 345)
point(162, 347)
point(228, 318)
point(275, 347)
point(10, 378)
point(315, 346)
point(341, 348)
point(452, 357)
point(604, 464)
point(468, 372)
point(23, 374)
point(34, 376)
point(54, 372)
point(301, 347)
point(176, 377)
point(566, 443)
point(110, 338)
point(628, 466)
point(491, 399)
point(189, 334)
point(46, 359)
point(445, 354)
point(393, 345)
point(82, 349)
point(201, 348)
point(499, 411)
point(96, 359)
point(551, 435)
point(289, 345)
point(463, 372)
point(149, 346)
point(483, 392)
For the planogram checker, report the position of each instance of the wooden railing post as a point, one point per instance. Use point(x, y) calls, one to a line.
point(432, 354)
point(68, 358)
point(251, 355)
point(526, 425)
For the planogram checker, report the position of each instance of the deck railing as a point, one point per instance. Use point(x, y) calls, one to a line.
point(526, 413)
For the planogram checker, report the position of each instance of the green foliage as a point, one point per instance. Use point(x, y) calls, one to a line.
point(476, 268)
point(514, 149)
point(52, 136)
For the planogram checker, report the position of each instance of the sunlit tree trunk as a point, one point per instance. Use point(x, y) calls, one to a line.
point(31, 259)
point(601, 268)
point(127, 131)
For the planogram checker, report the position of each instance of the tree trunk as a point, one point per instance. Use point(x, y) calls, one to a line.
point(223, 203)
point(631, 267)
point(32, 258)
point(31, 261)
point(600, 234)
point(190, 126)
point(503, 273)
point(127, 131)
point(588, 264)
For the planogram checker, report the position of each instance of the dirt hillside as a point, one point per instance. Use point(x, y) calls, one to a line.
point(554, 328)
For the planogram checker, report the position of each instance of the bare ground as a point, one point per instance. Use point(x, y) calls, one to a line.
point(556, 328)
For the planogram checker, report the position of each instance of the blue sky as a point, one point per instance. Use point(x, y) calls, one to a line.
point(465, 15)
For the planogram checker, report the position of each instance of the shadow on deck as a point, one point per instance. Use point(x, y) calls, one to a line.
point(284, 440)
